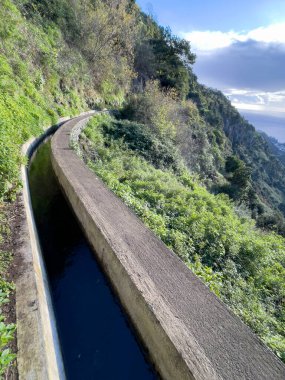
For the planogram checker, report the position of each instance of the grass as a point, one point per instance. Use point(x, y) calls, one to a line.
point(7, 330)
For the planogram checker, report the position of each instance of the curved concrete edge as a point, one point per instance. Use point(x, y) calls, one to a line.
point(39, 354)
point(165, 356)
point(188, 332)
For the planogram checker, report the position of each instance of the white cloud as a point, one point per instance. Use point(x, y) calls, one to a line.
point(247, 66)
point(204, 41)
point(210, 40)
point(263, 101)
point(274, 33)
point(268, 110)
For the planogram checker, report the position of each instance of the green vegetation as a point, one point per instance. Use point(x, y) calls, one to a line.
point(60, 57)
point(264, 193)
point(243, 265)
point(193, 169)
point(29, 85)
point(7, 330)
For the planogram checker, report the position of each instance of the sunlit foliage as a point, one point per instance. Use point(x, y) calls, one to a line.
point(244, 266)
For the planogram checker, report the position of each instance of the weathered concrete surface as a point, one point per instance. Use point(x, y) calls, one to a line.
point(39, 355)
point(189, 332)
point(30, 356)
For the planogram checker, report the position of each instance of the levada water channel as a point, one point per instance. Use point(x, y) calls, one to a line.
point(97, 340)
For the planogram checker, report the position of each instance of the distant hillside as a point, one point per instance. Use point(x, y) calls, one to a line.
point(265, 189)
point(277, 148)
point(271, 124)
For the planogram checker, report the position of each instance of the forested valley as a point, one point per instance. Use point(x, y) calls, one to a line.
point(176, 152)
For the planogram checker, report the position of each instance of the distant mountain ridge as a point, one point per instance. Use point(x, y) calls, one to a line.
point(272, 123)
point(277, 148)
point(265, 192)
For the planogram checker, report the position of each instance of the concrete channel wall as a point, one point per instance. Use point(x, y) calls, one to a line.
point(39, 355)
point(188, 332)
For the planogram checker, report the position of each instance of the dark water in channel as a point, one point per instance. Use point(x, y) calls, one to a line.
point(96, 339)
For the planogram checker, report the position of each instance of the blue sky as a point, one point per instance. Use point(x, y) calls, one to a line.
point(223, 15)
point(240, 47)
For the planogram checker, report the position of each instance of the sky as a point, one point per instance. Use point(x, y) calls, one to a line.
point(240, 48)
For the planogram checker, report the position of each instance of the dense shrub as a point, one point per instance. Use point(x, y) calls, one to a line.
point(241, 264)
point(139, 138)
point(30, 93)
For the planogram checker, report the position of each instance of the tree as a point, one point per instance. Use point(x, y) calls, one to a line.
point(164, 56)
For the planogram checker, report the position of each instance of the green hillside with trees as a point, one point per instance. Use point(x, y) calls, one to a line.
point(218, 240)
point(177, 152)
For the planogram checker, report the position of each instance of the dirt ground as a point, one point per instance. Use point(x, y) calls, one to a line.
point(13, 214)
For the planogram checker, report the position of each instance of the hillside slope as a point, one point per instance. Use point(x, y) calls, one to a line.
point(241, 264)
point(265, 193)
point(60, 57)
point(53, 58)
